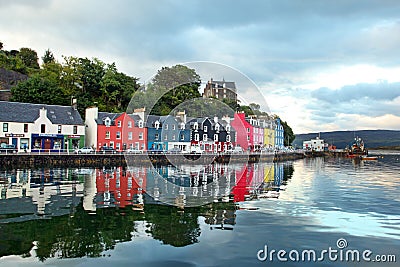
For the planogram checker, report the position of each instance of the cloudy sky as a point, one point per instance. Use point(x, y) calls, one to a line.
point(320, 65)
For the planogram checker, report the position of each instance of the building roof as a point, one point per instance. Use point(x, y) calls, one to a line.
point(27, 112)
point(102, 115)
point(135, 118)
point(223, 84)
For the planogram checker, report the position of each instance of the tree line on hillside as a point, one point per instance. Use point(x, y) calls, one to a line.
point(93, 82)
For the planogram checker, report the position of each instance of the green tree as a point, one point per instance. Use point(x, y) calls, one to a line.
point(48, 57)
point(170, 87)
point(29, 57)
point(39, 90)
point(288, 134)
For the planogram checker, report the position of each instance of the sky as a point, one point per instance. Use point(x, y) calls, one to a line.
point(320, 65)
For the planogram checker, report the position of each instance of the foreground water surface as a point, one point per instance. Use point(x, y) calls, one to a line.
point(141, 216)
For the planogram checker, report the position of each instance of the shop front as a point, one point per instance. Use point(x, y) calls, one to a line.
point(47, 142)
point(72, 142)
point(20, 141)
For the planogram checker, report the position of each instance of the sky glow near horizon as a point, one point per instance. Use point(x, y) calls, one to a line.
point(321, 65)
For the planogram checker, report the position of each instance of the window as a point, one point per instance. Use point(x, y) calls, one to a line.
point(157, 124)
point(182, 137)
point(204, 137)
point(42, 128)
point(182, 126)
point(75, 129)
point(140, 136)
point(165, 137)
point(228, 128)
point(129, 135)
point(119, 123)
point(108, 135)
point(156, 136)
point(217, 127)
point(215, 137)
point(228, 138)
point(248, 138)
point(196, 126)
point(118, 135)
point(248, 130)
point(140, 124)
point(107, 122)
point(111, 143)
point(118, 146)
point(129, 124)
point(59, 129)
point(205, 128)
point(173, 127)
point(5, 127)
point(196, 137)
point(173, 137)
point(25, 128)
point(166, 126)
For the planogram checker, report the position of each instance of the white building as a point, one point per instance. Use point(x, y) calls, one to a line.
point(314, 145)
point(39, 127)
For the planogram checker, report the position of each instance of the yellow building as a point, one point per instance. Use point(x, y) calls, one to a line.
point(269, 138)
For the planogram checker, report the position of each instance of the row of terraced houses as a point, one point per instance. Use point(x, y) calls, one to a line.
point(39, 127)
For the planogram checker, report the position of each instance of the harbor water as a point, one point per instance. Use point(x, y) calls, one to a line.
point(308, 212)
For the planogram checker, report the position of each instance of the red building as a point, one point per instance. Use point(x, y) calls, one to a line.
point(244, 131)
point(118, 130)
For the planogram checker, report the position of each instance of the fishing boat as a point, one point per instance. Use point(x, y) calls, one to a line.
point(357, 148)
point(369, 158)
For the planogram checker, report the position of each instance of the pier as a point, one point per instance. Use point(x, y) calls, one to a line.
point(31, 160)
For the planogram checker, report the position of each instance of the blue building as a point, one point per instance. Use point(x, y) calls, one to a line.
point(279, 137)
point(166, 133)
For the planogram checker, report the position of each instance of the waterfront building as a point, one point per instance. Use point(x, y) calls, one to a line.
point(249, 131)
point(315, 144)
point(221, 90)
point(40, 127)
point(120, 131)
point(279, 134)
point(166, 133)
point(212, 135)
point(269, 133)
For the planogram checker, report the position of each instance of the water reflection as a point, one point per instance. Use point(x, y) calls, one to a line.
point(69, 213)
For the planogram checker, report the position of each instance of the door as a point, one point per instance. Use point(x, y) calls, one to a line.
point(15, 142)
point(47, 144)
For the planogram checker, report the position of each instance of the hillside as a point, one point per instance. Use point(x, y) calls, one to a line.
point(372, 138)
point(8, 79)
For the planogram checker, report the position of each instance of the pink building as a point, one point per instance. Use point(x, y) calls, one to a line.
point(249, 132)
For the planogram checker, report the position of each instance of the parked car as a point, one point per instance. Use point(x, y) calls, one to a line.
point(134, 151)
point(108, 150)
point(84, 150)
point(5, 148)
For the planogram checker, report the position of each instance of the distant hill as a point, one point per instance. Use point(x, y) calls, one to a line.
point(8, 79)
point(372, 138)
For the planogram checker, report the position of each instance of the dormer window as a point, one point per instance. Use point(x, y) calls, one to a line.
point(173, 127)
point(182, 126)
point(140, 124)
point(107, 122)
point(157, 124)
point(196, 126)
point(205, 128)
point(228, 128)
point(166, 126)
point(217, 127)
point(119, 124)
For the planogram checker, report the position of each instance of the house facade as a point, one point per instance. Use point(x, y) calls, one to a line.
point(39, 127)
point(221, 90)
point(120, 131)
point(279, 134)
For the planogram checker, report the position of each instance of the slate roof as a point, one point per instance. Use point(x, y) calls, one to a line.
point(220, 84)
point(27, 112)
point(102, 115)
point(135, 118)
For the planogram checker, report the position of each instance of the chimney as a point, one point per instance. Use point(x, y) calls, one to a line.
point(140, 112)
point(216, 119)
point(182, 116)
point(74, 103)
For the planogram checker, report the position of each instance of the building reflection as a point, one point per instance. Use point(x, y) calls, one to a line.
point(88, 211)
